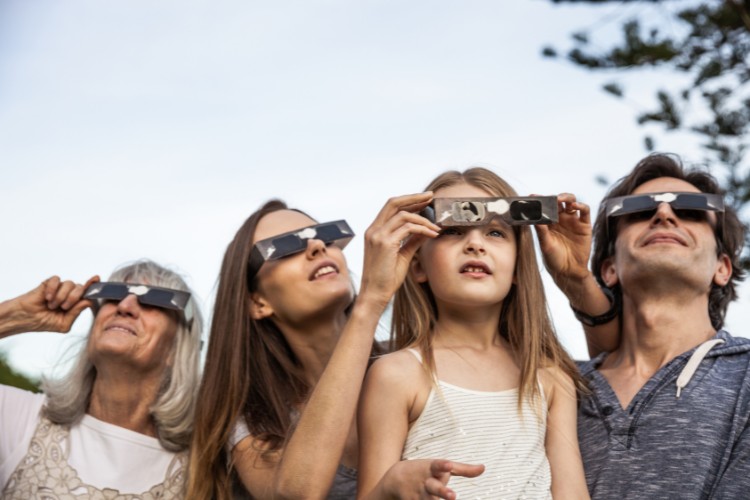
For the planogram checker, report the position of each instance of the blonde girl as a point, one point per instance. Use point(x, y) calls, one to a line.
point(479, 376)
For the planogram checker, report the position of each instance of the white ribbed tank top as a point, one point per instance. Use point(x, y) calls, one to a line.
point(478, 427)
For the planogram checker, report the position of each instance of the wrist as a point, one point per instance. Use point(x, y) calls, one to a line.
point(583, 293)
point(371, 302)
point(574, 285)
point(390, 485)
point(601, 318)
point(11, 321)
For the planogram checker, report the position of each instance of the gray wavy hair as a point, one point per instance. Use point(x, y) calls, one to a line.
point(68, 397)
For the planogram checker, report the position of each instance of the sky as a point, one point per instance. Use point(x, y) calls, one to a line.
point(153, 129)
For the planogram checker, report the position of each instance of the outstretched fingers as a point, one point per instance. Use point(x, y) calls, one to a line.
point(435, 488)
point(440, 473)
point(466, 470)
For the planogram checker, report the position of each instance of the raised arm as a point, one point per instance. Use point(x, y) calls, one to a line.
point(52, 306)
point(561, 441)
point(566, 247)
point(308, 463)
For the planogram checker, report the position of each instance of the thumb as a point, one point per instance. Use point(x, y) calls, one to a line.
point(94, 279)
point(73, 313)
point(542, 232)
point(78, 308)
point(412, 245)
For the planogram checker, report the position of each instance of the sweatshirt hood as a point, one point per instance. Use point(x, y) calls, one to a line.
point(730, 346)
point(721, 344)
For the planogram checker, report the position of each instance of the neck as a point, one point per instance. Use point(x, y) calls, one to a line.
point(313, 343)
point(124, 400)
point(476, 327)
point(657, 328)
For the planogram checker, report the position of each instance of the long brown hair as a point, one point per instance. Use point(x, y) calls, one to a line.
point(524, 322)
point(250, 373)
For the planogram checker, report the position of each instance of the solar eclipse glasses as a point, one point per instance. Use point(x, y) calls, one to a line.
point(686, 206)
point(277, 247)
point(155, 296)
point(515, 211)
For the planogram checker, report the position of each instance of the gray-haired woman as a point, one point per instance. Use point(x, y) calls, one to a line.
point(118, 424)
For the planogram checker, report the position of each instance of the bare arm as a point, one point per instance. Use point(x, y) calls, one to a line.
point(385, 411)
point(52, 306)
point(561, 441)
point(566, 247)
point(308, 463)
point(383, 419)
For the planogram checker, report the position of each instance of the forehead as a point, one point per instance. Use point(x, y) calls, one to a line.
point(461, 190)
point(280, 221)
point(666, 184)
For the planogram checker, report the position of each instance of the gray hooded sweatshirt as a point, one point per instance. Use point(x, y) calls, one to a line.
point(685, 435)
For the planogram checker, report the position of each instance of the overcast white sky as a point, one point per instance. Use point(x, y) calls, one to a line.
point(153, 129)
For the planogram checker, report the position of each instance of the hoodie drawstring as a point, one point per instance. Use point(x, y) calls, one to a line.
point(695, 360)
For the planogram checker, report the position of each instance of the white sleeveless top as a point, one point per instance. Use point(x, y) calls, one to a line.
point(478, 427)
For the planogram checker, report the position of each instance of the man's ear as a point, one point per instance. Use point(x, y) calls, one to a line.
point(259, 307)
point(723, 270)
point(609, 272)
point(415, 268)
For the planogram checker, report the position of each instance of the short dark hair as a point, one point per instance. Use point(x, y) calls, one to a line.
point(729, 231)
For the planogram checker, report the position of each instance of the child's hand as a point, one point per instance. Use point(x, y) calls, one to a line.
point(427, 479)
point(390, 244)
point(566, 246)
point(52, 306)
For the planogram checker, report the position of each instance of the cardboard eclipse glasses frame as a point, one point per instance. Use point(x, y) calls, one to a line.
point(649, 202)
point(293, 242)
point(686, 206)
point(155, 296)
point(515, 211)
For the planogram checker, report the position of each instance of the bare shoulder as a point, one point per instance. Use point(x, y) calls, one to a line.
point(400, 377)
point(554, 380)
point(396, 367)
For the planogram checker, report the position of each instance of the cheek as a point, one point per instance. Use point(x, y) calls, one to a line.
point(105, 312)
point(167, 337)
point(280, 279)
point(431, 257)
point(278, 291)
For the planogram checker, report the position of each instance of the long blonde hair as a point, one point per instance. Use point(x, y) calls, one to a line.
point(524, 322)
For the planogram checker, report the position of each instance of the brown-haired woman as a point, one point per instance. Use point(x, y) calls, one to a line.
point(288, 351)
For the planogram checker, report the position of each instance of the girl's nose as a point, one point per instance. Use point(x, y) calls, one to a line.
point(473, 241)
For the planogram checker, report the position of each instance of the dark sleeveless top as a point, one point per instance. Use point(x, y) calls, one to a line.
point(344, 484)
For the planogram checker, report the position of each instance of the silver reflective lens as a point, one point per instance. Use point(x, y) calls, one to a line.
point(518, 210)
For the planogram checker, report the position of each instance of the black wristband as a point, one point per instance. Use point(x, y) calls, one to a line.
point(603, 318)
